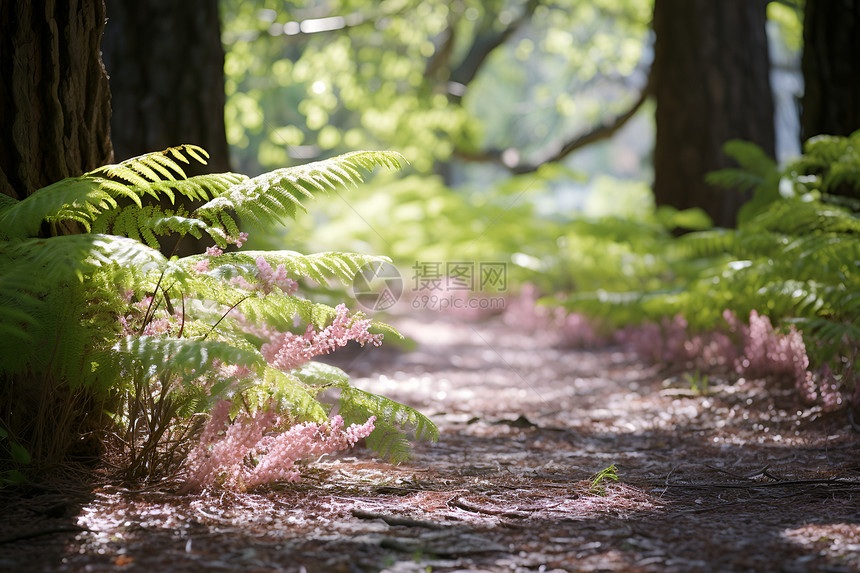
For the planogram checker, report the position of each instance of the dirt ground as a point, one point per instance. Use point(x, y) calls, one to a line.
point(738, 479)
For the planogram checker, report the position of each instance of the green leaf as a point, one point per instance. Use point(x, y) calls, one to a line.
point(19, 453)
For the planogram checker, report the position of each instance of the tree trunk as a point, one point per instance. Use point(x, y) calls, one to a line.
point(54, 96)
point(831, 68)
point(166, 66)
point(711, 82)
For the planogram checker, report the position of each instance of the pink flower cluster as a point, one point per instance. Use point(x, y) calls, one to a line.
point(287, 351)
point(160, 321)
point(250, 451)
point(573, 330)
point(771, 354)
point(754, 351)
point(268, 279)
point(238, 241)
point(671, 342)
point(202, 266)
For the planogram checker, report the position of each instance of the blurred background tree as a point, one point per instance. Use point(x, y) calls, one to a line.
point(712, 85)
point(831, 68)
point(475, 93)
point(54, 96)
point(166, 67)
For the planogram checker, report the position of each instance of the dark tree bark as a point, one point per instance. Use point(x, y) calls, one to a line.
point(831, 68)
point(166, 66)
point(54, 96)
point(711, 82)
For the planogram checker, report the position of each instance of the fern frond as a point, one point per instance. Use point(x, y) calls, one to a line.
point(802, 217)
point(76, 198)
point(319, 375)
point(291, 394)
point(318, 266)
point(709, 243)
point(394, 422)
point(183, 357)
point(156, 166)
point(751, 157)
point(739, 179)
point(86, 197)
point(43, 263)
point(278, 195)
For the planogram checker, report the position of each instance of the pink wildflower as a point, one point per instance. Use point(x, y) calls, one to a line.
point(287, 351)
point(225, 448)
point(157, 326)
point(235, 371)
point(769, 353)
point(211, 458)
point(238, 241)
point(268, 279)
point(201, 266)
point(280, 452)
point(143, 304)
point(214, 251)
point(278, 278)
point(241, 282)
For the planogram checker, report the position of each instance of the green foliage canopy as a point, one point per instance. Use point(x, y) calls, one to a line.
point(427, 78)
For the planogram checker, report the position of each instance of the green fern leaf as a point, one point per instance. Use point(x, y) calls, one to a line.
point(319, 375)
point(394, 422)
point(291, 394)
point(277, 195)
point(318, 266)
point(186, 358)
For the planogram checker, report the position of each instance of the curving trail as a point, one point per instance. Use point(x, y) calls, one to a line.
point(738, 480)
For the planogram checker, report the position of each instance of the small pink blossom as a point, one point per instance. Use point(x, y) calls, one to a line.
point(278, 278)
point(157, 326)
point(214, 251)
point(287, 351)
point(238, 241)
point(201, 266)
point(250, 451)
point(241, 282)
point(268, 279)
point(143, 304)
point(235, 371)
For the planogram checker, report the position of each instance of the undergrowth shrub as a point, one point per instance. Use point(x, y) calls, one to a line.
point(790, 266)
point(105, 340)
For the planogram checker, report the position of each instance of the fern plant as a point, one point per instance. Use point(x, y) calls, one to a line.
point(102, 334)
point(793, 258)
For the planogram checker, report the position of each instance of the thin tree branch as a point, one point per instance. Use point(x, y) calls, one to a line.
point(441, 58)
point(604, 130)
point(485, 43)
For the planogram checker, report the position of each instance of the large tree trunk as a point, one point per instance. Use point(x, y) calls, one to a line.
point(831, 68)
point(166, 66)
point(54, 97)
point(711, 83)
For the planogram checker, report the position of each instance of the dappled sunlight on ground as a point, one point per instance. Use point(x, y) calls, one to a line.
point(736, 479)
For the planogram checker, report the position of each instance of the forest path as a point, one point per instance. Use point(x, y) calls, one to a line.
point(736, 480)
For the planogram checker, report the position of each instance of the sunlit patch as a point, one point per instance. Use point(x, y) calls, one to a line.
point(840, 540)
